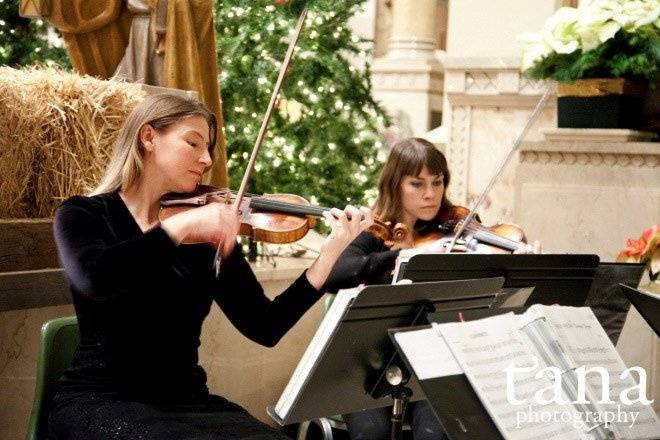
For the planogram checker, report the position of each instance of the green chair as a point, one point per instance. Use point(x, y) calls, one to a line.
point(58, 343)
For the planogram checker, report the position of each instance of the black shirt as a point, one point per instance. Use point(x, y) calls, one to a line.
point(141, 301)
point(365, 261)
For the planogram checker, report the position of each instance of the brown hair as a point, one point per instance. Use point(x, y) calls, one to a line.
point(407, 158)
point(160, 111)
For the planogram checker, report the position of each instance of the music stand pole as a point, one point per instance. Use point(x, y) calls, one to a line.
point(400, 397)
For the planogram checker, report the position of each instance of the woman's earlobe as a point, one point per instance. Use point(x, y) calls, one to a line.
point(147, 136)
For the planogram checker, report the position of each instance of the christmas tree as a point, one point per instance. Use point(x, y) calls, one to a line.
point(322, 141)
point(25, 42)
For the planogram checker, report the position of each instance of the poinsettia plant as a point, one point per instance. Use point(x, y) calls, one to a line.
point(600, 39)
point(645, 249)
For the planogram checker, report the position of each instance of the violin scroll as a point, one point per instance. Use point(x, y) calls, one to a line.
point(388, 234)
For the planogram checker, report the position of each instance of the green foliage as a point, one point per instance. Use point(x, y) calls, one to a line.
point(25, 42)
point(322, 141)
point(633, 55)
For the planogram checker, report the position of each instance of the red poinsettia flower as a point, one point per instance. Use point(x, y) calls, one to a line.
point(635, 248)
point(645, 249)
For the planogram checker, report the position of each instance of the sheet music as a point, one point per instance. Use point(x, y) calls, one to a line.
point(588, 345)
point(316, 346)
point(484, 349)
point(428, 353)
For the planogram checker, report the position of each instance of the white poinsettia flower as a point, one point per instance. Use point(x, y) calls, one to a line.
point(611, 6)
point(594, 35)
point(636, 13)
point(646, 13)
point(608, 30)
point(533, 53)
point(559, 30)
point(535, 49)
point(588, 37)
point(599, 10)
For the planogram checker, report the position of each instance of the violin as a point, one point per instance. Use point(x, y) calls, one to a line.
point(499, 238)
point(270, 218)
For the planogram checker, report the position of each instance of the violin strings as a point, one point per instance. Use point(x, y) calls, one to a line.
point(264, 203)
point(498, 239)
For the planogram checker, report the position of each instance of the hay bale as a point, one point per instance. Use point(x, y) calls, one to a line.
point(56, 134)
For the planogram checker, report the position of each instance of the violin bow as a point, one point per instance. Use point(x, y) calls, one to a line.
point(264, 124)
point(540, 105)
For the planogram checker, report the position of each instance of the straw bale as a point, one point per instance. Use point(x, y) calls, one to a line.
point(56, 134)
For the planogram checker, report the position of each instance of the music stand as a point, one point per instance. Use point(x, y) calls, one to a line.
point(347, 375)
point(647, 304)
point(557, 279)
point(606, 299)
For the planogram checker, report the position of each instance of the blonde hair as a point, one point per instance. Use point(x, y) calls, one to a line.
point(407, 158)
point(159, 111)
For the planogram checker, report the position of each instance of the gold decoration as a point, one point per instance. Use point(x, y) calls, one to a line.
point(601, 87)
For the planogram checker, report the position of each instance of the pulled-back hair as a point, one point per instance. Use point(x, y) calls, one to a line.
point(407, 158)
point(159, 111)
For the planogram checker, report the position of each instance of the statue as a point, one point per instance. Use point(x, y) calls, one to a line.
point(143, 56)
point(95, 31)
point(168, 43)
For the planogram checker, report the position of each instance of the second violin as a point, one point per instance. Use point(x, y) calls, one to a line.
point(499, 238)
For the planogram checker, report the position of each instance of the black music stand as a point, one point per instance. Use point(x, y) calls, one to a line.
point(563, 279)
point(606, 299)
point(358, 359)
point(647, 304)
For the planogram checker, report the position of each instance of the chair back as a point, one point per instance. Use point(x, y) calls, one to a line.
point(59, 339)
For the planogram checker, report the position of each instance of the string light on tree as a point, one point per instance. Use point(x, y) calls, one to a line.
point(26, 42)
point(322, 107)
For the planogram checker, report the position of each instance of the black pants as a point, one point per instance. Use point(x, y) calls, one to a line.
point(102, 416)
point(374, 424)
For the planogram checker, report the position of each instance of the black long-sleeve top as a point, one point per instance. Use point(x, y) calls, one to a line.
point(365, 261)
point(141, 301)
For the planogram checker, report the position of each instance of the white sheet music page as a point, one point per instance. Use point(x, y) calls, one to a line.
point(485, 348)
point(428, 353)
point(588, 345)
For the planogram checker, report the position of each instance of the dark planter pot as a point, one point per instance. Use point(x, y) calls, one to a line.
point(600, 103)
point(611, 111)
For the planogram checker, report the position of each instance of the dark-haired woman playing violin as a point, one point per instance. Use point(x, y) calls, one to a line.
point(141, 298)
point(412, 191)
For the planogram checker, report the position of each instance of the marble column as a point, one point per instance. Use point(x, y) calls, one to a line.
point(408, 79)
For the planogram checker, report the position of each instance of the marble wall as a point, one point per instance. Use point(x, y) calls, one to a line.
point(587, 191)
point(478, 28)
point(244, 372)
point(487, 103)
point(586, 196)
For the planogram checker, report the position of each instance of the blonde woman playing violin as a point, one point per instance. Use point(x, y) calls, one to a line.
point(141, 298)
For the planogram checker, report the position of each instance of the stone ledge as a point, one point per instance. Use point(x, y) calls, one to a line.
point(610, 135)
point(598, 159)
point(599, 147)
point(626, 154)
point(48, 287)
